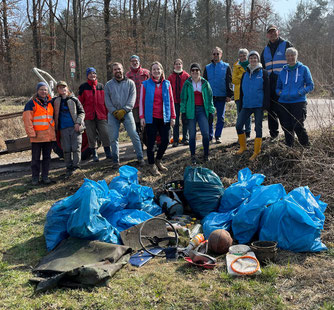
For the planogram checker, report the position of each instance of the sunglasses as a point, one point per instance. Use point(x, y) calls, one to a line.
point(194, 70)
point(215, 54)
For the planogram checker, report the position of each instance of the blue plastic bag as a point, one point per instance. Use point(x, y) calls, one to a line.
point(240, 191)
point(55, 229)
point(127, 175)
point(112, 203)
point(295, 222)
point(127, 218)
point(245, 222)
point(203, 190)
point(216, 220)
point(86, 221)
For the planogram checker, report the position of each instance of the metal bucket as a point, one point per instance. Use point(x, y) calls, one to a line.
point(265, 251)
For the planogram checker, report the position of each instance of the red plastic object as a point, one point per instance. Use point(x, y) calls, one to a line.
point(205, 265)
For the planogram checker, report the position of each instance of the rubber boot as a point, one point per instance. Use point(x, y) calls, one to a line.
point(257, 148)
point(242, 142)
point(107, 152)
point(160, 166)
point(94, 154)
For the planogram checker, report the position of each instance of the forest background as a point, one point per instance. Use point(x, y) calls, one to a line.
point(49, 33)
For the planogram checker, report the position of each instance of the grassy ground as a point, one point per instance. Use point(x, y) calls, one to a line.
point(295, 281)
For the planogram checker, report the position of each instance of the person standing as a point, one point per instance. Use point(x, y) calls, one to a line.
point(177, 79)
point(239, 68)
point(219, 75)
point(120, 98)
point(40, 128)
point(254, 98)
point(138, 75)
point(294, 82)
point(197, 107)
point(91, 95)
point(69, 117)
point(273, 59)
point(157, 114)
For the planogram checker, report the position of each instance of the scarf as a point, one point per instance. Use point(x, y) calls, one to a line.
point(244, 64)
point(92, 84)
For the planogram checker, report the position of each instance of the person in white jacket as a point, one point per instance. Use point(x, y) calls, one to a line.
point(120, 98)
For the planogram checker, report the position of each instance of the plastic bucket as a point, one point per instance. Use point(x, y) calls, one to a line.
point(265, 250)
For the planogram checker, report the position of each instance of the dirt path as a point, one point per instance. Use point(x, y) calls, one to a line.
point(320, 114)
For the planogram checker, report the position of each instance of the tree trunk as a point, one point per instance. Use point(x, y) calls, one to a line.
point(228, 4)
point(7, 54)
point(52, 34)
point(65, 44)
point(135, 23)
point(165, 35)
point(107, 39)
point(76, 38)
point(207, 23)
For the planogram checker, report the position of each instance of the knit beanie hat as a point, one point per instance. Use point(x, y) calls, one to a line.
point(89, 70)
point(135, 57)
point(40, 84)
point(254, 53)
point(195, 66)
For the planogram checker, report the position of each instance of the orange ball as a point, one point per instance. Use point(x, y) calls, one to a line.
point(219, 241)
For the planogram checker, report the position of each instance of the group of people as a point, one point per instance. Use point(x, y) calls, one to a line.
point(149, 106)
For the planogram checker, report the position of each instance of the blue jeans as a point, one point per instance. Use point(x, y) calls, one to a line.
point(177, 126)
point(130, 126)
point(244, 114)
point(202, 120)
point(248, 127)
point(220, 108)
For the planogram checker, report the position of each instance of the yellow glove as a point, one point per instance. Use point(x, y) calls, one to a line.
point(115, 113)
point(121, 114)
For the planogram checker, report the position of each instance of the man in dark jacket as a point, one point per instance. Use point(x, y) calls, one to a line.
point(219, 75)
point(91, 95)
point(273, 60)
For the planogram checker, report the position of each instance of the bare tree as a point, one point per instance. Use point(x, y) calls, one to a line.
point(107, 38)
point(7, 52)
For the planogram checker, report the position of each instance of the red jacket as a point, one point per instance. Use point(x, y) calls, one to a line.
point(177, 87)
point(138, 76)
point(93, 101)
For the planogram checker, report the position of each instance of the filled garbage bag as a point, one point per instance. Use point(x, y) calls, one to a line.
point(245, 222)
point(203, 190)
point(238, 192)
point(86, 221)
point(113, 202)
point(55, 229)
point(295, 222)
point(142, 198)
point(127, 175)
point(216, 220)
point(127, 218)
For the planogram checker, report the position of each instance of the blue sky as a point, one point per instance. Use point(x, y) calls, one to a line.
point(284, 7)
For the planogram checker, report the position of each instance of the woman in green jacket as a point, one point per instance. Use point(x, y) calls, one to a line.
point(197, 106)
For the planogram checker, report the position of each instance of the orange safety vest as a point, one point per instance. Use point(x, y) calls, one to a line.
point(43, 118)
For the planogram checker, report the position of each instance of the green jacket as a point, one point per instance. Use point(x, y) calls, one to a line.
point(188, 98)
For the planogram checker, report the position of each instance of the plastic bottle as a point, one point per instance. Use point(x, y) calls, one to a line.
point(194, 242)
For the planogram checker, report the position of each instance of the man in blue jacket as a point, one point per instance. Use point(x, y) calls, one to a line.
point(219, 75)
point(273, 60)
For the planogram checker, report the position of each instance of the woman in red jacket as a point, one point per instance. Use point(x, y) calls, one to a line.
point(177, 79)
point(91, 95)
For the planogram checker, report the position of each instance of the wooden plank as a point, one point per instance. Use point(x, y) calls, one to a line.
point(10, 115)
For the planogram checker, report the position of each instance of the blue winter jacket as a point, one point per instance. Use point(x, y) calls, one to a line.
point(293, 84)
point(216, 76)
point(255, 89)
point(149, 98)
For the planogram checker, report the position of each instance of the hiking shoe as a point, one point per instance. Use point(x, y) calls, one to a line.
point(141, 162)
point(107, 152)
point(160, 166)
point(185, 142)
point(175, 144)
point(193, 160)
point(206, 158)
point(46, 181)
point(153, 170)
point(34, 181)
point(274, 139)
point(248, 135)
point(218, 140)
point(115, 165)
point(68, 173)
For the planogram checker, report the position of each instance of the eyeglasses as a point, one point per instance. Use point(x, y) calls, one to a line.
point(194, 70)
point(215, 54)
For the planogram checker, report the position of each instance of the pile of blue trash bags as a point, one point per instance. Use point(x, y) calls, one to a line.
point(98, 211)
point(256, 212)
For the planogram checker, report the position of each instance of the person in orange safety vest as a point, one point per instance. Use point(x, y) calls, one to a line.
point(40, 128)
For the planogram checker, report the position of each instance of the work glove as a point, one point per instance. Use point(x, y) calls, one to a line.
point(210, 119)
point(121, 113)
